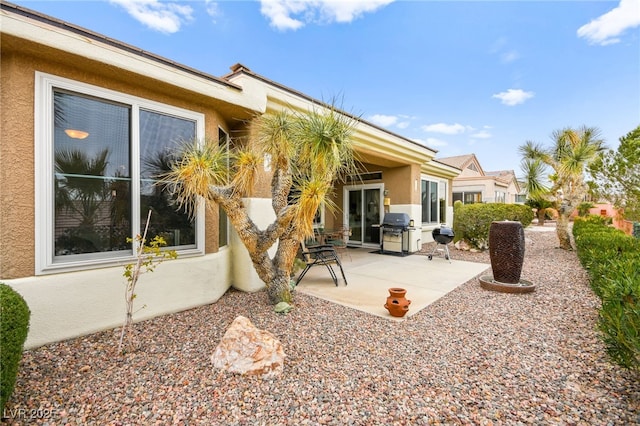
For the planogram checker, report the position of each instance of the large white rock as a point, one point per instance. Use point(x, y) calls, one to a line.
point(245, 349)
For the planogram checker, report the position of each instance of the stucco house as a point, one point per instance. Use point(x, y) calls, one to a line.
point(474, 185)
point(86, 123)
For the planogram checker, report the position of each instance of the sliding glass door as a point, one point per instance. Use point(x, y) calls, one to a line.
point(363, 213)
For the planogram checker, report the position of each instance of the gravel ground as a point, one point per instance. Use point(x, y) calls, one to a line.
point(474, 357)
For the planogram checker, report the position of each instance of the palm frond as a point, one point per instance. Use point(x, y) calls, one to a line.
point(195, 168)
point(534, 171)
point(273, 135)
point(324, 142)
point(246, 164)
point(310, 194)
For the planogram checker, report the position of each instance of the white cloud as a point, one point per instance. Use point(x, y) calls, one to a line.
point(510, 56)
point(606, 28)
point(513, 96)
point(212, 9)
point(383, 120)
point(403, 125)
point(293, 14)
point(447, 129)
point(482, 134)
point(166, 17)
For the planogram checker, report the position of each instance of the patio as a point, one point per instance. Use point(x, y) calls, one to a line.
point(370, 275)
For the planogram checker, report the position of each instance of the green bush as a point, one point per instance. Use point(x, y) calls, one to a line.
point(612, 260)
point(619, 317)
point(14, 325)
point(471, 222)
point(457, 232)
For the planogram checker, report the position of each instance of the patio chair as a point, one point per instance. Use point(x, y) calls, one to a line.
point(340, 239)
point(323, 255)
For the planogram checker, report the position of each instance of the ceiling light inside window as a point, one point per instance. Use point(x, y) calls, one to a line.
point(76, 134)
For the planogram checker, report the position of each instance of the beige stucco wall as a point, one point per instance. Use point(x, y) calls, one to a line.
point(17, 76)
point(66, 305)
point(73, 304)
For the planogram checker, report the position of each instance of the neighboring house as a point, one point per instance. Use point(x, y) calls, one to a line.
point(474, 185)
point(87, 122)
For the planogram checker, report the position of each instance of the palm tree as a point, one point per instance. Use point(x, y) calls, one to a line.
point(572, 151)
point(306, 153)
point(533, 182)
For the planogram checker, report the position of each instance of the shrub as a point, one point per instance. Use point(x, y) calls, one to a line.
point(584, 207)
point(619, 317)
point(14, 325)
point(472, 221)
point(457, 231)
point(611, 259)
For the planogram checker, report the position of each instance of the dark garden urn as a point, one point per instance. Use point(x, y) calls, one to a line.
point(397, 304)
point(506, 250)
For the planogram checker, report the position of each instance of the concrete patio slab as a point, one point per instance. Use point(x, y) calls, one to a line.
point(370, 275)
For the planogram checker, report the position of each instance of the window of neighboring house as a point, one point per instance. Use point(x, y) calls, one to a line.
point(223, 219)
point(99, 157)
point(430, 201)
point(500, 197)
point(467, 197)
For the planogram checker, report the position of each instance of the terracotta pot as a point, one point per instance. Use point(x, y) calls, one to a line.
point(397, 304)
point(506, 250)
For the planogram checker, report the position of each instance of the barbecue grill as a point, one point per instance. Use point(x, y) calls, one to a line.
point(442, 236)
point(395, 233)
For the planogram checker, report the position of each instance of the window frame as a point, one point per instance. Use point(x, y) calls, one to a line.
point(441, 185)
point(46, 261)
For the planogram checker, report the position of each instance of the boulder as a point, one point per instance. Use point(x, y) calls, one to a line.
point(245, 349)
point(462, 245)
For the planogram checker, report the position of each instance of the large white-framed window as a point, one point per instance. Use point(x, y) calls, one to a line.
point(433, 194)
point(98, 156)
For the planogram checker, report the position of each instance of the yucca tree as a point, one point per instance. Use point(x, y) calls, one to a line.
point(306, 153)
point(534, 183)
point(569, 156)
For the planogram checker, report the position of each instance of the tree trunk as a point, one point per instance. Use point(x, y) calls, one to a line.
point(279, 289)
point(562, 231)
point(541, 214)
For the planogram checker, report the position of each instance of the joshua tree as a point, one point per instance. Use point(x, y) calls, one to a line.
point(306, 153)
point(538, 195)
point(572, 151)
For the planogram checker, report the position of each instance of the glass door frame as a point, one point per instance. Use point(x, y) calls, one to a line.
point(345, 209)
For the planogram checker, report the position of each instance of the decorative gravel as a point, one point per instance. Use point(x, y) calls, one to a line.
point(474, 357)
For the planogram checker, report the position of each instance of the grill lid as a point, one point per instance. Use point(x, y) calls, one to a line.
point(396, 220)
point(444, 231)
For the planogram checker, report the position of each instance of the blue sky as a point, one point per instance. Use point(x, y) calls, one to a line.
point(476, 77)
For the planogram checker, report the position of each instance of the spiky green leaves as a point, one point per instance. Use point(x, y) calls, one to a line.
point(197, 166)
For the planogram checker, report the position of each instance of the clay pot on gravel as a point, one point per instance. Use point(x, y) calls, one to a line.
point(397, 304)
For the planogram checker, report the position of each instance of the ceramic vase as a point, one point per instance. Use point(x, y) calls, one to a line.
point(397, 304)
point(506, 250)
